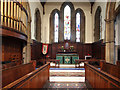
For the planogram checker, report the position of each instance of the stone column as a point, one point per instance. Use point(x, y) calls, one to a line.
point(110, 41)
point(116, 53)
point(29, 43)
point(24, 54)
point(27, 48)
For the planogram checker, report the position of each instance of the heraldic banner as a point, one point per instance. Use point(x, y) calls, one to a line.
point(44, 48)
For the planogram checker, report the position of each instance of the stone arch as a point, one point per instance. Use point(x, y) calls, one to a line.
point(117, 33)
point(110, 38)
point(82, 24)
point(97, 24)
point(37, 33)
point(52, 24)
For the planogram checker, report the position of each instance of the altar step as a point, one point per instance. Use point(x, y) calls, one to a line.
point(67, 75)
point(65, 65)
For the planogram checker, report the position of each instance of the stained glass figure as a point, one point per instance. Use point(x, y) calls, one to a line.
point(78, 27)
point(67, 22)
point(56, 27)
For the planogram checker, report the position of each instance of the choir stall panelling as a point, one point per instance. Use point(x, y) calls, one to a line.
point(96, 49)
point(36, 50)
point(11, 49)
point(79, 48)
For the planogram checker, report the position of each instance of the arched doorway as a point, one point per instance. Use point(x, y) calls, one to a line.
point(110, 33)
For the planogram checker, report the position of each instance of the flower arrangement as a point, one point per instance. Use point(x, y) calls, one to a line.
point(71, 48)
point(62, 48)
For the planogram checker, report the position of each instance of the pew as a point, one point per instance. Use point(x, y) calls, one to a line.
point(11, 74)
point(51, 60)
point(11, 64)
point(97, 78)
point(118, 63)
point(90, 61)
point(34, 79)
point(54, 61)
point(8, 65)
point(110, 68)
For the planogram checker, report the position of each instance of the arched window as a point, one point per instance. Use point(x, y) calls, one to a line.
point(56, 27)
point(67, 22)
point(78, 27)
point(37, 33)
point(97, 30)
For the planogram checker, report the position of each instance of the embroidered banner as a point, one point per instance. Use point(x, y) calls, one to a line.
point(44, 48)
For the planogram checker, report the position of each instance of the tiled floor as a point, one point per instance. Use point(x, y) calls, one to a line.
point(65, 85)
point(66, 78)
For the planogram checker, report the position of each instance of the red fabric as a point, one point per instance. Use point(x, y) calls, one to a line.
point(43, 47)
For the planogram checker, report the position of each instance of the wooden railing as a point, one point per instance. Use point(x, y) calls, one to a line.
point(96, 78)
point(20, 26)
point(35, 79)
point(14, 15)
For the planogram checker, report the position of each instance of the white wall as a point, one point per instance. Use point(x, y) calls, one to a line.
point(103, 14)
point(33, 6)
point(117, 4)
point(85, 6)
point(117, 27)
point(117, 30)
point(50, 6)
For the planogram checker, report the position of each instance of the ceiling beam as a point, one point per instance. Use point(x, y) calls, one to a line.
point(43, 2)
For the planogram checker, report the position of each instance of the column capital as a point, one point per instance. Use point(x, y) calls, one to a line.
point(29, 21)
point(109, 20)
point(110, 42)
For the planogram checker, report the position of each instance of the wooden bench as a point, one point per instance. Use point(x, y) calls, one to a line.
point(11, 64)
point(110, 68)
point(55, 61)
point(77, 62)
point(118, 63)
point(34, 79)
point(52, 60)
point(11, 74)
point(96, 78)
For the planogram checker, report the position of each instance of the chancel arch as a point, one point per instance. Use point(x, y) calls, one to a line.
point(37, 33)
point(110, 33)
point(97, 27)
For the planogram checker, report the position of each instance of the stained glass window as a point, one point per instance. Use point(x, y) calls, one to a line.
point(78, 27)
point(67, 22)
point(56, 27)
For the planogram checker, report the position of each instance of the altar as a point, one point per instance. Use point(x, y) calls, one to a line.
point(67, 53)
point(67, 58)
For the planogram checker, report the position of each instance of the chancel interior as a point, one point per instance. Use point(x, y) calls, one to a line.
point(64, 44)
